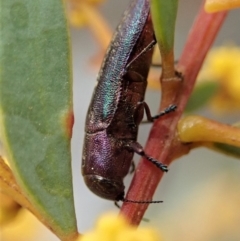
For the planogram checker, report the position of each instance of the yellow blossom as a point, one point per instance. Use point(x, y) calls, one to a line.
point(220, 5)
point(24, 226)
point(78, 11)
point(111, 227)
point(84, 13)
point(141, 234)
point(222, 65)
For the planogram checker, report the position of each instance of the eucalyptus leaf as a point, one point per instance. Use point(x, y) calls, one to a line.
point(164, 16)
point(36, 105)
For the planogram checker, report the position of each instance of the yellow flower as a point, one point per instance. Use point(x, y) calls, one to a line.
point(220, 5)
point(8, 209)
point(111, 227)
point(16, 222)
point(222, 65)
point(84, 13)
point(78, 11)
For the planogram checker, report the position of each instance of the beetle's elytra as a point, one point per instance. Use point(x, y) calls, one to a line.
point(117, 106)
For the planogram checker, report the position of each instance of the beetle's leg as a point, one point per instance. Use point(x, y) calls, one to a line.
point(136, 147)
point(147, 48)
point(116, 204)
point(133, 167)
point(151, 118)
point(169, 109)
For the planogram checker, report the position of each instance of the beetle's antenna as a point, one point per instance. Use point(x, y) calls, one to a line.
point(140, 202)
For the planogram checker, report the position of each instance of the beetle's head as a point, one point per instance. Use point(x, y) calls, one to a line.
point(106, 188)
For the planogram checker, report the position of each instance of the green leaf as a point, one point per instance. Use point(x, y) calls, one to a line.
point(201, 95)
point(230, 150)
point(36, 105)
point(164, 17)
point(227, 149)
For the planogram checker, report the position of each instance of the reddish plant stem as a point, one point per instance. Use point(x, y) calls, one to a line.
point(162, 139)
